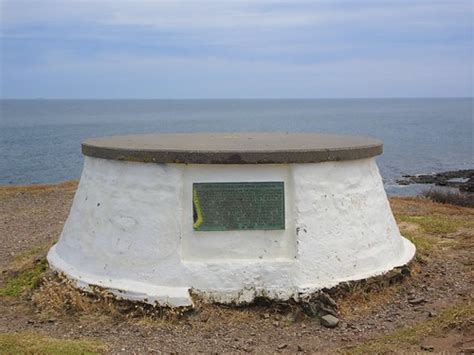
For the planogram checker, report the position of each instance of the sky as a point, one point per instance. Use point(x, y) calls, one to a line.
point(236, 49)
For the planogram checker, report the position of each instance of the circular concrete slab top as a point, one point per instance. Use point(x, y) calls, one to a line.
point(232, 148)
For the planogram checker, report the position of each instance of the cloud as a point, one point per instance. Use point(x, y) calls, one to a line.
point(236, 48)
point(125, 75)
point(181, 15)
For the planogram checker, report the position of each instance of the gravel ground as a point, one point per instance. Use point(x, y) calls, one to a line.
point(31, 219)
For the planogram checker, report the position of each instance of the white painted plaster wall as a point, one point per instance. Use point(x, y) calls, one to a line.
point(246, 244)
point(130, 230)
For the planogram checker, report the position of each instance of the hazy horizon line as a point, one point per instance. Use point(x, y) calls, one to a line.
point(234, 98)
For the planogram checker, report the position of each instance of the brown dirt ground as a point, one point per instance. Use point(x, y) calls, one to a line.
point(383, 320)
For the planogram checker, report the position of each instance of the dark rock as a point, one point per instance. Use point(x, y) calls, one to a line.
point(394, 276)
point(427, 348)
point(319, 303)
point(329, 321)
point(326, 299)
point(405, 271)
point(310, 309)
point(447, 178)
point(468, 186)
point(417, 300)
point(323, 309)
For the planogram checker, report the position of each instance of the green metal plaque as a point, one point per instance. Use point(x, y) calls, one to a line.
point(226, 206)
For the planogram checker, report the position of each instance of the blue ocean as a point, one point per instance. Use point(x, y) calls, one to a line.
point(40, 139)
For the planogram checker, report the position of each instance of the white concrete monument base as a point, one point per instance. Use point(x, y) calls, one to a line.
point(130, 230)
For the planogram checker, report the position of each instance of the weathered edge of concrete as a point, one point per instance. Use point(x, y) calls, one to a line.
point(182, 297)
point(187, 155)
point(181, 157)
point(164, 296)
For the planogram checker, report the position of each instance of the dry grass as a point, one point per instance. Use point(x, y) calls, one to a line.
point(36, 343)
point(365, 297)
point(438, 224)
point(58, 295)
point(455, 316)
point(453, 198)
point(38, 188)
point(412, 206)
point(433, 227)
point(28, 258)
point(361, 301)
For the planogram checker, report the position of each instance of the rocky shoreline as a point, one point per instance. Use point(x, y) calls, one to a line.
point(460, 179)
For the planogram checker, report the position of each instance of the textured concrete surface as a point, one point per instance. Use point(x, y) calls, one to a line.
point(130, 230)
point(232, 148)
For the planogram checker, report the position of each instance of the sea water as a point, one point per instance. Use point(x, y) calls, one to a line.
point(40, 139)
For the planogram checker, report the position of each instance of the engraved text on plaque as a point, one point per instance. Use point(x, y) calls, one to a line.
point(227, 206)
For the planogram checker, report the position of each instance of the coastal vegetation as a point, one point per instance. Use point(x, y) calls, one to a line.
point(37, 343)
point(24, 280)
point(43, 313)
point(448, 197)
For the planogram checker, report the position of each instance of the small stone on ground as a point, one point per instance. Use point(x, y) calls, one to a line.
point(329, 321)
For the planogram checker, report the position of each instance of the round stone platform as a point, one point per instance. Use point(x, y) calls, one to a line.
point(228, 217)
point(232, 148)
